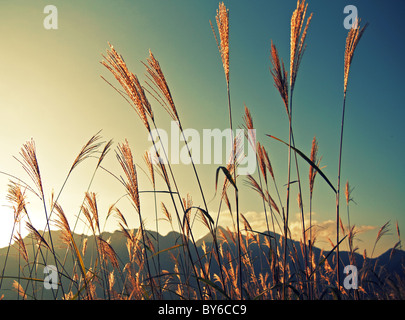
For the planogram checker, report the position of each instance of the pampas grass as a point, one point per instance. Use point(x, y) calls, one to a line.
point(237, 262)
point(297, 39)
point(222, 19)
point(353, 37)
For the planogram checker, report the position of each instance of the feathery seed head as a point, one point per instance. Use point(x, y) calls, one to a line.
point(21, 246)
point(148, 160)
point(90, 211)
point(115, 63)
point(30, 164)
point(297, 38)
point(279, 75)
point(125, 158)
point(248, 126)
point(17, 196)
point(347, 192)
point(18, 287)
point(312, 172)
point(222, 19)
point(63, 224)
point(158, 79)
point(353, 37)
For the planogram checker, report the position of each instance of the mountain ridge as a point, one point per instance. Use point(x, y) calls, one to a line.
point(391, 262)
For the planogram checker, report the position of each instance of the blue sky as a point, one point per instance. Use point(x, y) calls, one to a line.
point(51, 90)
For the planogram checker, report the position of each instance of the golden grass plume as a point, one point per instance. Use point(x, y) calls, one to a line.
point(297, 38)
point(353, 37)
point(222, 19)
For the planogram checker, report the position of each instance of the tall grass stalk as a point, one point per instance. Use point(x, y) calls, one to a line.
point(353, 37)
point(138, 101)
point(297, 48)
point(156, 76)
point(222, 19)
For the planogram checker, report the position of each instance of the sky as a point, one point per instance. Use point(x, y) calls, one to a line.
point(51, 90)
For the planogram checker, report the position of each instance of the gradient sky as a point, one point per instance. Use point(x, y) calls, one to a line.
point(51, 91)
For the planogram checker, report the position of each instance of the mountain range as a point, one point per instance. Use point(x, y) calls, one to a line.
point(389, 265)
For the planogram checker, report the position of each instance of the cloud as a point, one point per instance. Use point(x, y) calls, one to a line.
point(324, 230)
point(256, 220)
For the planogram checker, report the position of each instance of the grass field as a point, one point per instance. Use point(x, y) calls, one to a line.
point(231, 263)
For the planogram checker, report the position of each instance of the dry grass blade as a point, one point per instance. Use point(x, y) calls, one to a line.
point(205, 215)
point(228, 176)
point(37, 236)
point(302, 155)
point(235, 157)
point(324, 259)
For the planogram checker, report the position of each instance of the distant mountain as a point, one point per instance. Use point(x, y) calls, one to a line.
point(389, 265)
